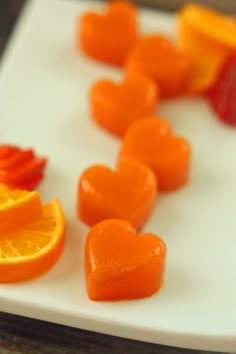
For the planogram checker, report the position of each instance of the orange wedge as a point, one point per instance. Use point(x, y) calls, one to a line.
point(17, 209)
point(33, 250)
point(208, 37)
point(212, 24)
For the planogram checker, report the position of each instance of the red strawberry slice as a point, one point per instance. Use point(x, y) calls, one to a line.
point(28, 184)
point(222, 96)
point(19, 168)
point(17, 158)
point(23, 172)
point(7, 150)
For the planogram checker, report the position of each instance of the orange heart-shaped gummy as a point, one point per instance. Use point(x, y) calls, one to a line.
point(155, 56)
point(116, 106)
point(108, 36)
point(128, 193)
point(167, 155)
point(119, 265)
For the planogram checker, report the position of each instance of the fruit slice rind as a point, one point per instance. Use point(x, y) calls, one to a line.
point(25, 197)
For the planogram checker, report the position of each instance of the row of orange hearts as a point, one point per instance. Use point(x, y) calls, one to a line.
point(119, 265)
point(112, 37)
point(151, 159)
point(117, 205)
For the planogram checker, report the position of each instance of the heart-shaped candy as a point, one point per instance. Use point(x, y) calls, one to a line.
point(121, 265)
point(108, 36)
point(155, 56)
point(116, 106)
point(128, 193)
point(167, 155)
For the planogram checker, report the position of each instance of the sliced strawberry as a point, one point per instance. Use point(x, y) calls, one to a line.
point(28, 184)
point(7, 150)
point(17, 158)
point(222, 96)
point(24, 171)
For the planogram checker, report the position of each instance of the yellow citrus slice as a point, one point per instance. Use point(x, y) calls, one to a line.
point(18, 208)
point(208, 37)
point(33, 250)
point(211, 24)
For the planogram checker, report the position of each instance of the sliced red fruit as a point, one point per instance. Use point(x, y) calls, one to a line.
point(20, 168)
point(24, 171)
point(222, 95)
point(7, 150)
point(28, 184)
point(16, 158)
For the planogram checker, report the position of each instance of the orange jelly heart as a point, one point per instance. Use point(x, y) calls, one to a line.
point(167, 155)
point(155, 56)
point(121, 265)
point(115, 106)
point(129, 193)
point(108, 36)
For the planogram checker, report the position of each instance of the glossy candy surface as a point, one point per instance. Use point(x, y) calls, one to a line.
point(108, 36)
point(115, 106)
point(129, 193)
point(121, 265)
point(151, 142)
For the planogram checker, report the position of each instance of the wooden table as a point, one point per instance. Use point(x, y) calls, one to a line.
point(20, 335)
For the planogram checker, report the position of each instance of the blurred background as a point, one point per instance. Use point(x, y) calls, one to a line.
point(228, 6)
point(9, 10)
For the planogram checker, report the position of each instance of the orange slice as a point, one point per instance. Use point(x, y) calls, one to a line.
point(33, 250)
point(211, 24)
point(17, 209)
point(208, 37)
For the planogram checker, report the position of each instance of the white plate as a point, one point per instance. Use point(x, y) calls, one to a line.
point(44, 82)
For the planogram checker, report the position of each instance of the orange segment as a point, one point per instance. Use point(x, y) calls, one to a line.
point(208, 37)
point(33, 250)
point(211, 24)
point(206, 59)
point(18, 208)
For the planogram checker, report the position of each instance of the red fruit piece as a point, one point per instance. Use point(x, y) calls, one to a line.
point(16, 158)
point(23, 172)
point(20, 169)
point(222, 95)
point(7, 150)
point(28, 184)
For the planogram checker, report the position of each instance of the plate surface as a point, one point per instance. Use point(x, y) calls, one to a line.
point(44, 82)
